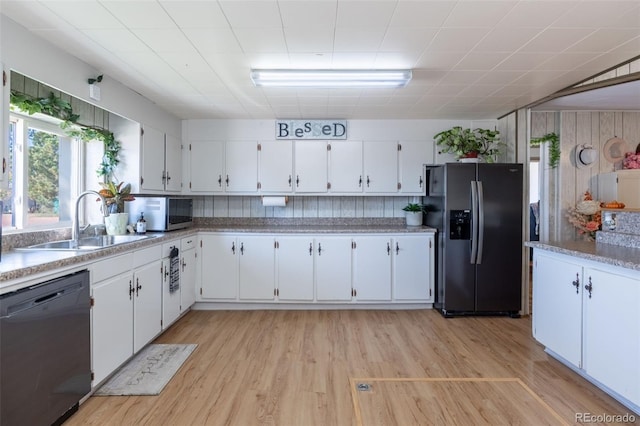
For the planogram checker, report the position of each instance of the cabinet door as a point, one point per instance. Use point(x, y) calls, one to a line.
point(413, 155)
point(173, 164)
point(629, 188)
point(219, 267)
point(557, 306)
point(170, 300)
point(147, 306)
point(188, 279)
point(112, 325)
point(311, 166)
point(333, 268)
point(241, 166)
point(345, 166)
point(257, 267)
point(295, 268)
point(372, 268)
point(206, 160)
point(276, 166)
point(612, 331)
point(413, 268)
point(381, 167)
point(152, 160)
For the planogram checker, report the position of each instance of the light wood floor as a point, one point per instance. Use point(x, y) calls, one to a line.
point(294, 367)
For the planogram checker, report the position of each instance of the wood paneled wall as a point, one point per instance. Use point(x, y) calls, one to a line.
point(567, 183)
point(90, 115)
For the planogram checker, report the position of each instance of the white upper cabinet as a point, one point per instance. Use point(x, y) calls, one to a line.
point(241, 162)
point(276, 164)
point(262, 165)
point(345, 167)
point(173, 163)
point(413, 155)
point(160, 161)
point(206, 166)
point(311, 166)
point(381, 167)
point(152, 173)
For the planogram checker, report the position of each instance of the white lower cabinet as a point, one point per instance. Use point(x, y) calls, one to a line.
point(295, 268)
point(557, 306)
point(127, 307)
point(256, 267)
point(414, 256)
point(372, 268)
point(383, 268)
point(170, 299)
point(611, 345)
point(176, 302)
point(588, 314)
point(188, 269)
point(147, 305)
point(333, 269)
point(112, 330)
point(218, 267)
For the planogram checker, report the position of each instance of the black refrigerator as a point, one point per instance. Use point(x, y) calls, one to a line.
point(477, 210)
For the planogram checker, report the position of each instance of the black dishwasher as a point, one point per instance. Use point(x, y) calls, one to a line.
point(45, 351)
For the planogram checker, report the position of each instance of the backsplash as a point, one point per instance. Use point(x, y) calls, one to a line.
point(220, 206)
point(627, 230)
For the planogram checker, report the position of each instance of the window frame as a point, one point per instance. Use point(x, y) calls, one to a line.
point(20, 172)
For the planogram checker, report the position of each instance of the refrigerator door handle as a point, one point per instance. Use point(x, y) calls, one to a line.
point(474, 221)
point(480, 233)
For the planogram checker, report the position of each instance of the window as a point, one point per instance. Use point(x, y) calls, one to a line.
point(44, 174)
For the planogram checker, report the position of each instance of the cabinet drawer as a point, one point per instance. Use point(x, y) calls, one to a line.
point(146, 255)
point(111, 267)
point(166, 247)
point(188, 243)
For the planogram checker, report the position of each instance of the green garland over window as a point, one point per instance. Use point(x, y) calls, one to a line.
point(554, 147)
point(61, 109)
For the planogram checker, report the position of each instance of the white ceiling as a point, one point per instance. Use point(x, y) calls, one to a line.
point(471, 59)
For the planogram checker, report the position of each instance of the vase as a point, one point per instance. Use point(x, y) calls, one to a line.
point(116, 223)
point(413, 218)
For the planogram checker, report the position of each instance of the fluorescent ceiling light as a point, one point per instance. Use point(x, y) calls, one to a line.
point(330, 78)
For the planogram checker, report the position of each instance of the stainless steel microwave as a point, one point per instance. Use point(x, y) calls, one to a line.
point(161, 213)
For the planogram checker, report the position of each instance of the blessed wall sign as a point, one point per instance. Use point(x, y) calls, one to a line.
point(311, 129)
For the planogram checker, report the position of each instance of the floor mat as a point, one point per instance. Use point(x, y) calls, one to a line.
point(149, 371)
point(450, 401)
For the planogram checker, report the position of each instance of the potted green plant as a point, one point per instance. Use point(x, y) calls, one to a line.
point(115, 195)
point(484, 144)
point(413, 214)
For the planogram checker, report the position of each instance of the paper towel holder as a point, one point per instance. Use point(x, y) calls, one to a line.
point(274, 201)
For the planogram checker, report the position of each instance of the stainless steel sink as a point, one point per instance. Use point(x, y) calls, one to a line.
point(88, 243)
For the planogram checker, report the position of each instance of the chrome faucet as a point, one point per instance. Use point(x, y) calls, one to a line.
point(75, 230)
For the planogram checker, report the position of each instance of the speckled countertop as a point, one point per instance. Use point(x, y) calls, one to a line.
point(17, 265)
point(626, 257)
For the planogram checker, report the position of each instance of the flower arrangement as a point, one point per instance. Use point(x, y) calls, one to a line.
point(631, 161)
point(586, 217)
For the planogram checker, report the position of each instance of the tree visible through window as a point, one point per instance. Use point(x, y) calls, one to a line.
point(43, 173)
point(44, 170)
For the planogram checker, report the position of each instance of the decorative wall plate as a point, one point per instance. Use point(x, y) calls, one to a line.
point(614, 149)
